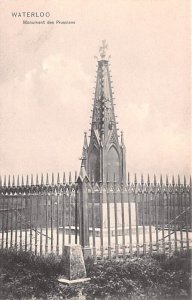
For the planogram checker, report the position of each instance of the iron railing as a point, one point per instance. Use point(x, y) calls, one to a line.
point(107, 219)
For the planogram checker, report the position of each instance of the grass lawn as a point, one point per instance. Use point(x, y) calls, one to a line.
point(26, 276)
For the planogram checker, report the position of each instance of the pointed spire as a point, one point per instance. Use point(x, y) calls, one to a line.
point(179, 182)
point(32, 183)
point(22, 181)
point(82, 172)
point(64, 180)
point(84, 151)
point(161, 180)
point(37, 180)
point(135, 180)
point(5, 181)
point(128, 178)
point(173, 181)
point(42, 181)
point(184, 182)
point(27, 180)
point(155, 180)
point(0, 181)
point(190, 180)
point(103, 126)
point(75, 176)
point(167, 180)
point(18, 181)
point(70, 181)
point(142, 181)
point(148, 180)
point(103, 99)
point(52, 179)
point(9, 181)
point(58, 179)
point(47, 179)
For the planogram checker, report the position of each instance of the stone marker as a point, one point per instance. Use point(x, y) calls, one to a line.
point(74, 265)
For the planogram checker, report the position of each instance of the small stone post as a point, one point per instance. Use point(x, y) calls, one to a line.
point(74, 265)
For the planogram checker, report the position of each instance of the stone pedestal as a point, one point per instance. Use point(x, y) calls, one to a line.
point(74, 265)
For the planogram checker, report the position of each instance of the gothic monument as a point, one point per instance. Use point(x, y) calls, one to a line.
point(104, 158)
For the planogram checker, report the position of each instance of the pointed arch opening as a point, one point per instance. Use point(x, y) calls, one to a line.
point(113, 164)
point(94, 165)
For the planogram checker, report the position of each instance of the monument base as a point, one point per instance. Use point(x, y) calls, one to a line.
point(112, 231)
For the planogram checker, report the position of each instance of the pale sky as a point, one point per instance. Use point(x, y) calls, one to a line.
point(47, 79)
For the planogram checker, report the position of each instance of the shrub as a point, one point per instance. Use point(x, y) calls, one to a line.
point(151, 276)
point(25, 276)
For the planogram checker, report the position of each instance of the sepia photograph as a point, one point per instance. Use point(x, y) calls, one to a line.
point(95, 150)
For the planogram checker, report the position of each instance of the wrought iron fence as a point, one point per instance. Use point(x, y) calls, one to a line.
point(38, 217)
point(108, 219)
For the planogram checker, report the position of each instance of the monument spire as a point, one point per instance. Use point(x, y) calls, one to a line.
point(104, 154)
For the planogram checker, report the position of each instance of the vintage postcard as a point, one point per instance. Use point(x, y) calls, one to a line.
point(95, 148)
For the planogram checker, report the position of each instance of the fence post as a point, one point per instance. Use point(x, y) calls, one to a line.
point(83, 182)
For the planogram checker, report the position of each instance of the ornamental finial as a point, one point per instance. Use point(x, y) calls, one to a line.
point(102, 49)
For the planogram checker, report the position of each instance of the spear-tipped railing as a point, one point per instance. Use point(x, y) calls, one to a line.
point(43, 213)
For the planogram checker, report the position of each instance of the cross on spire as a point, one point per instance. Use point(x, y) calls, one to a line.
point(103, 49)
